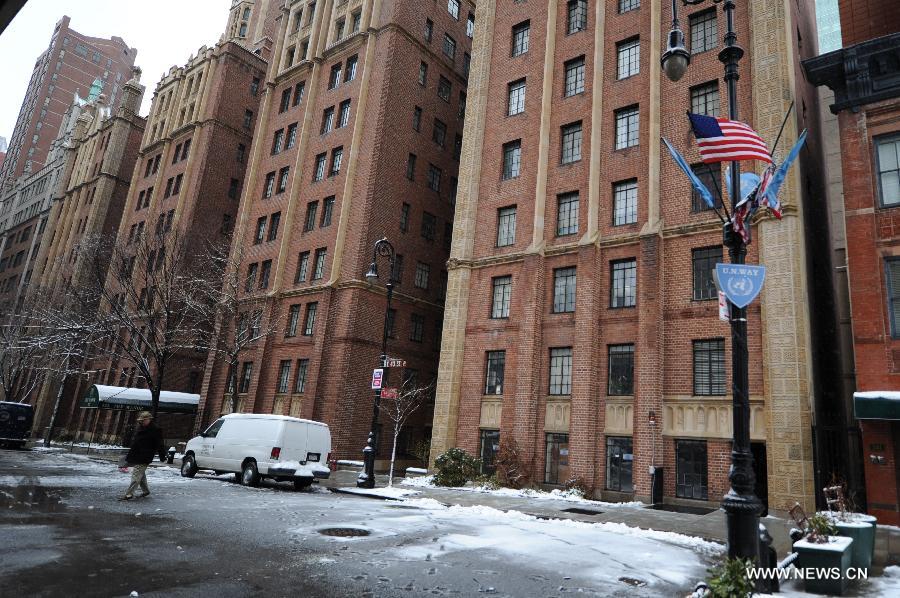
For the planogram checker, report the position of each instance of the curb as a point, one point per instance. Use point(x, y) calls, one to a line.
point(363, 494)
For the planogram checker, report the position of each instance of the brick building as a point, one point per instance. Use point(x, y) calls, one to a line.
point(358, 138)
point(581, 319)
point(183, 187)
point(70, 64)
point(863, 76)
point(89, 203)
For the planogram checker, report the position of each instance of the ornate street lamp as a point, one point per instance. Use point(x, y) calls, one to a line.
point(741, 505)
point(383, 248)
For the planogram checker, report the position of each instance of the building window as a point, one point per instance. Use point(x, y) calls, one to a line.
point(453, 8)
point(284, 376)
point(892, 274)
point(285, 100)
point(248, 118)
point(564, 290)
point(467, 64)
point(397, 274)
point(302, 267)
point(493, 379)
point(327, 210)
point(404, 217)
point(619, 461)
point(417, 328)
point(319, 172)
point(627, 127)
point(690, 469)
point(444, 88)
point(621, 370)
point(334, 77)
point(704, 261)
point(709, 367)
point(337, 155)
point(344, 114)
point(627, 5)
point(298, 92)
point(888, 151)
point(277, 141)
point(246, 375)
point(350, 68)
point(628, 56)
point(417, 118)
point(264, 272)
point(490, 446)
point(561, 371)
point(567, 214)
point(251, 276)
point(461, 108)
point(711, 176)
point(302, 369)
point(625, 203)
point(576, 16)
point(574, 76)
point(434, 178)
point(624, 280)
point(449, 47)
point(439, 132)
point(556, 467)
point(260, 230)
point(291, 136)
point(422, 272)
point(571, 143)
point(356, 20)
point(310, 222)
point(274, 221)
point(293, 319)
point(512, 159)
point(339, 29)
point(502, 289)
point(516, 104)
point(705, 99)
point(429, 30)
point(309, 323)
point(327, 120)
point(429, 222)
point(319, 266)
point(704, 31)
point(506, 226)
point(283, 179)
point(520, 38)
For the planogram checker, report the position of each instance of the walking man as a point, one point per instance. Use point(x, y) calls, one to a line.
point(148, 441)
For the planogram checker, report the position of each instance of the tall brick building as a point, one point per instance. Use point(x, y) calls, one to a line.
point(864, 77)
point(69, 65)
point(581, 319)
point(184, 187)
point(358, 138)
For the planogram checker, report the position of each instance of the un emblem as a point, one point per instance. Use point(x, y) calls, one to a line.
point(740, 283)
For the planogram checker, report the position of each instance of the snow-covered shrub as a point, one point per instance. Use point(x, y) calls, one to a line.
point(508, 463)
point(730, 579)
point(455, 468)
point(580, 485)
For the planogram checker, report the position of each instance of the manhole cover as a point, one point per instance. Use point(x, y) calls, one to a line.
point(344, 532)
point(633, 582)
point(582, 511)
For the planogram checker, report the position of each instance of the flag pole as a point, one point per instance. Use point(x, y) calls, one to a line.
point(715, 183)
point(781, 130)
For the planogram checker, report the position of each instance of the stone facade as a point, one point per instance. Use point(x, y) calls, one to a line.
point(564, 431)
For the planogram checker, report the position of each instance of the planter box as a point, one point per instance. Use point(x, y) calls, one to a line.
point(835, 554)
point(861, 528)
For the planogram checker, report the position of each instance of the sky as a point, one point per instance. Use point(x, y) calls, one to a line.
point(161, 40)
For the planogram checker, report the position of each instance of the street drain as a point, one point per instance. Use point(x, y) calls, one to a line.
point(582, 511)
point(633, 582)
point(344, 532)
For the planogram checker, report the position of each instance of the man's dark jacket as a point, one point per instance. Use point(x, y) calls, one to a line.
point(148, 441)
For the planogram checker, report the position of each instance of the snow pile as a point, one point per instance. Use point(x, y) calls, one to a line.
point(567, 495)
point(393, 492)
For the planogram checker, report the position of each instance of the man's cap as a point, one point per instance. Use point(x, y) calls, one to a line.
point(145, 415)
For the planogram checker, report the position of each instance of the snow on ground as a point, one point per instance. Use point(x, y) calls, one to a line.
point(393, 492)
point(566, 495)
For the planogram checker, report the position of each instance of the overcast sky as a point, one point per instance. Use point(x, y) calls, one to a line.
point(161, 39)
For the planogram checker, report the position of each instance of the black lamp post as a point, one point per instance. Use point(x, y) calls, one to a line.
point(741, 505)
point(383, 248)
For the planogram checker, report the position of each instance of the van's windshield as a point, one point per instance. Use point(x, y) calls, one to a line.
point(213, 429)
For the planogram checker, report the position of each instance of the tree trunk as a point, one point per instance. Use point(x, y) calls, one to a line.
point(234, 390)
point(393, 457)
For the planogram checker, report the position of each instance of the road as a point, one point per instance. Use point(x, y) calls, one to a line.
point(65, 534)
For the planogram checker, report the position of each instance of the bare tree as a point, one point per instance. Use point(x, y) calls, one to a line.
point(409, 398)
point(148, 305)
point(238, 311)
point(22, 355)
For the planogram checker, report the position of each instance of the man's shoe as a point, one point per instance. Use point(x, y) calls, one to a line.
point(126, 497)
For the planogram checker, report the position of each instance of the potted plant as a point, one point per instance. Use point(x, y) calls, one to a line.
point(859, 526)
point(823, 549)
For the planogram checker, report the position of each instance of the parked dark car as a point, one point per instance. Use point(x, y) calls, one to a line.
point(15, 423)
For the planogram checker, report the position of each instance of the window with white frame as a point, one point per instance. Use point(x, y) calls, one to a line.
point(453, 8)
point(520, 34)
point(704, 31)
point(888, 158)
point(705, 99)
point(506, 226)
point(500, 296)
point(512, 159)
point(567, 214)
point(628, 58)
point(627, 5)
point(574, 71)
point(516, 104)
point(576, 16)
point(570, 143)
point(625, 203)
point(627, 124)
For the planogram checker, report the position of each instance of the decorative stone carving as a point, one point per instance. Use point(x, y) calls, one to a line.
point(491, 409)
point(705, 418)
point(558, 416)
point(619, 417)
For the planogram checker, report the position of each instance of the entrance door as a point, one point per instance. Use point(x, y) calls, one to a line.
point(759, 470)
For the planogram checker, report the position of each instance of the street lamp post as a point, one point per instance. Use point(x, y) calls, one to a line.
point(383, 248)
point(741, 505)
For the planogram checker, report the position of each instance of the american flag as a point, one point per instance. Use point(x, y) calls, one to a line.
point(723, 140)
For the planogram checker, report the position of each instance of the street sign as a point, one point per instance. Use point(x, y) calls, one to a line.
point(392, 362)
point(740, 283)
point(377, 376)
point(388, 393)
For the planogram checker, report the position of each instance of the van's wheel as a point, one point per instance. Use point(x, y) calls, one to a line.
point(249, 474)
point(188, 466)
point(302, 483)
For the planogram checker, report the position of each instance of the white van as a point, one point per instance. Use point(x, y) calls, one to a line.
point(255, 446)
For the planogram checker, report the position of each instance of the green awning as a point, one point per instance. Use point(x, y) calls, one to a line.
point(877, 404)
point(138, 399)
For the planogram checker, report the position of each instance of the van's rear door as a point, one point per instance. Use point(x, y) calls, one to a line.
point(295, 441)
point(319, 443)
